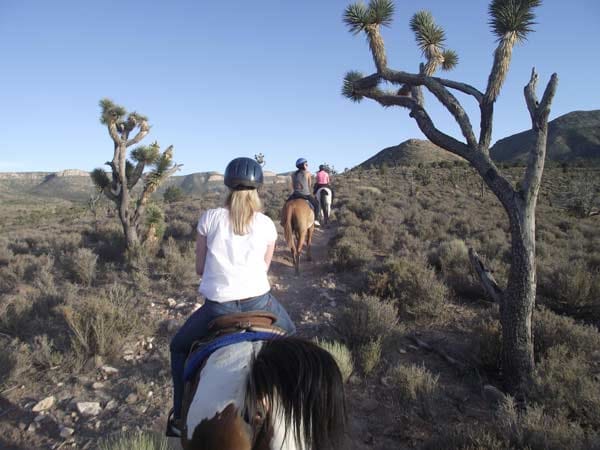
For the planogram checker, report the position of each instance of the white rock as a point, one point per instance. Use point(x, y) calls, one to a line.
point(89, 408)
point(109, 370)
point(112, 404)
point(66, 432)
point(45, 404)
point(131, 398)
point(171, 302)
point(97, 385)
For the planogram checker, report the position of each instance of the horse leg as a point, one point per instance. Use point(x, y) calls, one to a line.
point(309, 235)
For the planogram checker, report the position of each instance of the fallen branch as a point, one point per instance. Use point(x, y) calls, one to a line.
point(424, 345)
point(485, 276)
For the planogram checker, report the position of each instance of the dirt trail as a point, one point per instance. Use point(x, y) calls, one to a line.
point(308, 297)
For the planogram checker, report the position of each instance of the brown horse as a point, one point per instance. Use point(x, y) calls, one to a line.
point(298, 226)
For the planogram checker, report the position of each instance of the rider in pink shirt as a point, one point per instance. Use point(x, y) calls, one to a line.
point(322, 180)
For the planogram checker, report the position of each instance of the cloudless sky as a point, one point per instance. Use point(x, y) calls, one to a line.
point(235, 78)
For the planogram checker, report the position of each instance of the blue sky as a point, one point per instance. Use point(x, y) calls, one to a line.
point(224, 79)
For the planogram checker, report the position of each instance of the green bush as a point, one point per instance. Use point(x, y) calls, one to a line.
point(173, 194)
point(414, 385)
point(81, 265)
point(412, 284)
point(452, 259)
point(179, 266)
point(342, 356)
point(366, 318)
point(551, 330)
point(179, 229)
point(369, 354)
point(135, 441)
point(566, 384)
point(538, 427)
point(352, 250)
point(100, 324)
point(574, 289)
point(487, 332)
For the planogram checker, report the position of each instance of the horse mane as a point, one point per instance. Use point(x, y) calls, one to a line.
point(306, 382)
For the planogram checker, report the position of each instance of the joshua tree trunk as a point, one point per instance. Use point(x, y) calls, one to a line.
point(518, 300)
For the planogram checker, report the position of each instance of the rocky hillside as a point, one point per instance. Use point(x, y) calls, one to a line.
point(572, 138)
point(409, 153)
point(76, 185)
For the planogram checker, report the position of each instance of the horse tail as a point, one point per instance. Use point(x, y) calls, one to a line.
point(323, 198)
point(287, 227)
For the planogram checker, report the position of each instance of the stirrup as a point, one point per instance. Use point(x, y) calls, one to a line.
point(173, 427)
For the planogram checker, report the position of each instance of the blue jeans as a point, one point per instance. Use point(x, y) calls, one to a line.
point(196, 327)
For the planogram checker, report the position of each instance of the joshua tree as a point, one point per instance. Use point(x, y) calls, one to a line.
point(260, 158)
point(511, 21)
point(125, 175)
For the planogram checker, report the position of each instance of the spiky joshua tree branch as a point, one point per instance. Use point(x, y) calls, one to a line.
point(511, 21)
point(125, 174)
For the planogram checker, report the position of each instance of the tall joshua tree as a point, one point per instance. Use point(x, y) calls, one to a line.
point(125, 174)
point(511, 21)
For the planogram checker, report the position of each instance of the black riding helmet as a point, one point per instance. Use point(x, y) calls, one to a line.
point(243, 174)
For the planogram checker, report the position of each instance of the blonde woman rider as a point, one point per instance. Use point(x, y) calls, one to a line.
point(234, 248)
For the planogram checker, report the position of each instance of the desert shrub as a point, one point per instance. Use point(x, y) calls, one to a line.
point(365, 318)
point(347, 218)
point(99, 324)
point(66, 243)
point(15, 359)
point(412, 284)
point(154, 227)
point(109, 241)
point(465, 438)
point(81, 265)
point(44, 353)
point(405, 244)
point(565, 383)
point(350, 252)
point(551, 329)
point(135, 441)
point(452, 258)
point(414, 385)
point(178, 229)
point(572, 287)
point(138, 257)
point(487, 333)
point(368, 354)
point(534, 428)
point(179, 265)
point(173, 194)
point(8, 280)
point(365, 208)
point(341, 354)
point(6, 254)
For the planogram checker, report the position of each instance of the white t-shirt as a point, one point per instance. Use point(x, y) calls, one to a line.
point(235, 266)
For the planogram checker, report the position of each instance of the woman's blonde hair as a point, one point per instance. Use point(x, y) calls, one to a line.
point(242, 205)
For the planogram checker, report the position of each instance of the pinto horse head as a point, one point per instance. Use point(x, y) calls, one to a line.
point(284, 394)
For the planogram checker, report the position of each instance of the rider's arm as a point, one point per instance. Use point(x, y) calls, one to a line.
point(200, 253)
point(269, 254)
point(309, 180)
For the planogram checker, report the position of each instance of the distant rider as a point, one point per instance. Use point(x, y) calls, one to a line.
point(323, 180)
point(301, 184)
